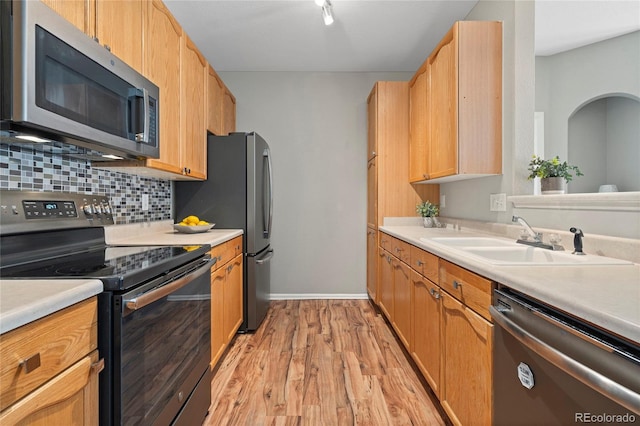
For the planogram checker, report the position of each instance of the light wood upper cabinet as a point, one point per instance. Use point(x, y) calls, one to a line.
point(388, 136)
point(193, 81)
point(215, 90)
point(120, 25)
point(459, 135)
point(418, 124)
point(78, 12)
point(228, 111)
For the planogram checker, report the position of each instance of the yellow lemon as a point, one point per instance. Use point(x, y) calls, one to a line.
point(191, 220)
point(203, 222)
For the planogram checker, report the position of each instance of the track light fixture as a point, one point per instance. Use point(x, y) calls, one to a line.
point(327, 13)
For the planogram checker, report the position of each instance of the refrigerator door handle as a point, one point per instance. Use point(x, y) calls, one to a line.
point(267, 232)
point(267, 257)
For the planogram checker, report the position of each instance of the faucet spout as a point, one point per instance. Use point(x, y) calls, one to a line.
point(537, 237)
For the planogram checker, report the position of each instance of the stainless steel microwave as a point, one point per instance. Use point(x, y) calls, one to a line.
point(60, 85)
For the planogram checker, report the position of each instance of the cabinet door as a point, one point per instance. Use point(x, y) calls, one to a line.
point(218, 336)
point(372, 260)
point(70, 398)
point(402, 301)
point(215, 90)
point(372, 193)
point(78, 12)
point(372, 123)
point(193, 75)
point(443, 140)
point(466, 359)
point(162, 66)
point(233, 298)
point(426, 329)
point(120, 26)
point(228, 112)
point(386, 283)
point(418, 125)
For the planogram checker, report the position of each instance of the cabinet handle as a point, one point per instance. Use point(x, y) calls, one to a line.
point(426, 175)
point(106, 46)
point(373, 153)
point(398, 249)
point(437, 296)
point(229, 268)
point(388, 259)
point(97, 367)
point(419, 262)
point(31, 363)
point(432, 291)
point(457, 284)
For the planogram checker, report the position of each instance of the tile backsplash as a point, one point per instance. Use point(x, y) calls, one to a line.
point(23, 169)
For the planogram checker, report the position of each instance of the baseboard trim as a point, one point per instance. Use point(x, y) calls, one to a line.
point(311, 296)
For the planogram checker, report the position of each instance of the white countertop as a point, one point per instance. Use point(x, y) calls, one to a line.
point(607, 296)
point(24, 301)
point(162, 233)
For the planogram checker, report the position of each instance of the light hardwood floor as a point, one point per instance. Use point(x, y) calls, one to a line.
point(319, 362)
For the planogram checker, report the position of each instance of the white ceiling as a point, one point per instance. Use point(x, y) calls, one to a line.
point(370, 35)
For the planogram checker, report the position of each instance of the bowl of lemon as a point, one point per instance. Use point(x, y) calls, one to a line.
point(193, 225)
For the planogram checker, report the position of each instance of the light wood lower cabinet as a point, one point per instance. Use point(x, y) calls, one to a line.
point(426, 328)
point(226, 295)
point(372, 270)
point(50, 367)
point(439, 311)
point(466, 393)
point(402, 301)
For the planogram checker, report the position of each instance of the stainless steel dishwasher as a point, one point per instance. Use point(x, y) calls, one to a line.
point(553, 369)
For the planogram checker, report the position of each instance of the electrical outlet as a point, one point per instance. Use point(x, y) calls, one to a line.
point(145, 202)
point(498, 202)
point(442, 201)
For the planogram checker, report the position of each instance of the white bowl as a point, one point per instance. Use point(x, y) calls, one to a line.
point(193, 229)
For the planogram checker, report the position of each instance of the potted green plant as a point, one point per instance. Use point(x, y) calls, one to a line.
point(553, 174)
point(428, 211)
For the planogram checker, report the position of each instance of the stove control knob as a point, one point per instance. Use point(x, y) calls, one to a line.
point(107, 209)
point(87, 209)
point(98, 209)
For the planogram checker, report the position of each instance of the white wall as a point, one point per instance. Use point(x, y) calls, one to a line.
point(315, 124)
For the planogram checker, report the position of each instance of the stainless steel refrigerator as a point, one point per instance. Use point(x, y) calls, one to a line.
point(238, 194)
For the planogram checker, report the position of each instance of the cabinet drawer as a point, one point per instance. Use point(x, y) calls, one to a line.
point(425, 263)
point(401, 250)
point(471, 289)
point(51, 345)
point(235, 246)
point(385, 241)
point(222, 253)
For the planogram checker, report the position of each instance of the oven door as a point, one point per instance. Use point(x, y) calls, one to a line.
point(159, 348)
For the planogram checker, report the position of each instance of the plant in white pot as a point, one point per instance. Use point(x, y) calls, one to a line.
point(553, 174)
point(428, 211)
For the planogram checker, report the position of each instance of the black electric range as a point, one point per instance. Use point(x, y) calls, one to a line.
point(154, 326)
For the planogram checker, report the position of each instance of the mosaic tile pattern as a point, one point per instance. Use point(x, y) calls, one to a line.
point(23, 169)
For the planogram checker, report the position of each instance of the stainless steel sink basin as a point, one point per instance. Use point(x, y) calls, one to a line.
point(534, 256)
point(470, 241)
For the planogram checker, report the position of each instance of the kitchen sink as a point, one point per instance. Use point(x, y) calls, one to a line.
point(534, 256)
point(470, 241)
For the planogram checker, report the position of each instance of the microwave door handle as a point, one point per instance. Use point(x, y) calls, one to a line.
point(145, 111)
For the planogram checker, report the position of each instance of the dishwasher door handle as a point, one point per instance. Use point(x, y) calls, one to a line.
point(607, 387)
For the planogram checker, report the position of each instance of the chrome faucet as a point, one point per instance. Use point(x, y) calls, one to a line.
point(537, 236)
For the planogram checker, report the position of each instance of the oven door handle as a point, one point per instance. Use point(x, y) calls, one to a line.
point(607, 387)
point(158, 293)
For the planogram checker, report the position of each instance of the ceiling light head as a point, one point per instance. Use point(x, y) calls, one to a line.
point(327, 14)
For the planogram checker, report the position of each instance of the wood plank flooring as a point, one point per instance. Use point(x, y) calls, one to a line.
point(319, 362)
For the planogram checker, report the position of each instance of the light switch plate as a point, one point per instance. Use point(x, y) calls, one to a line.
point(145, 202)
point(442, 201)
point(498, 202)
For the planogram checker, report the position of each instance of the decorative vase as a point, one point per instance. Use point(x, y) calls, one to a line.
point(553, 185)
point(429, 222)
